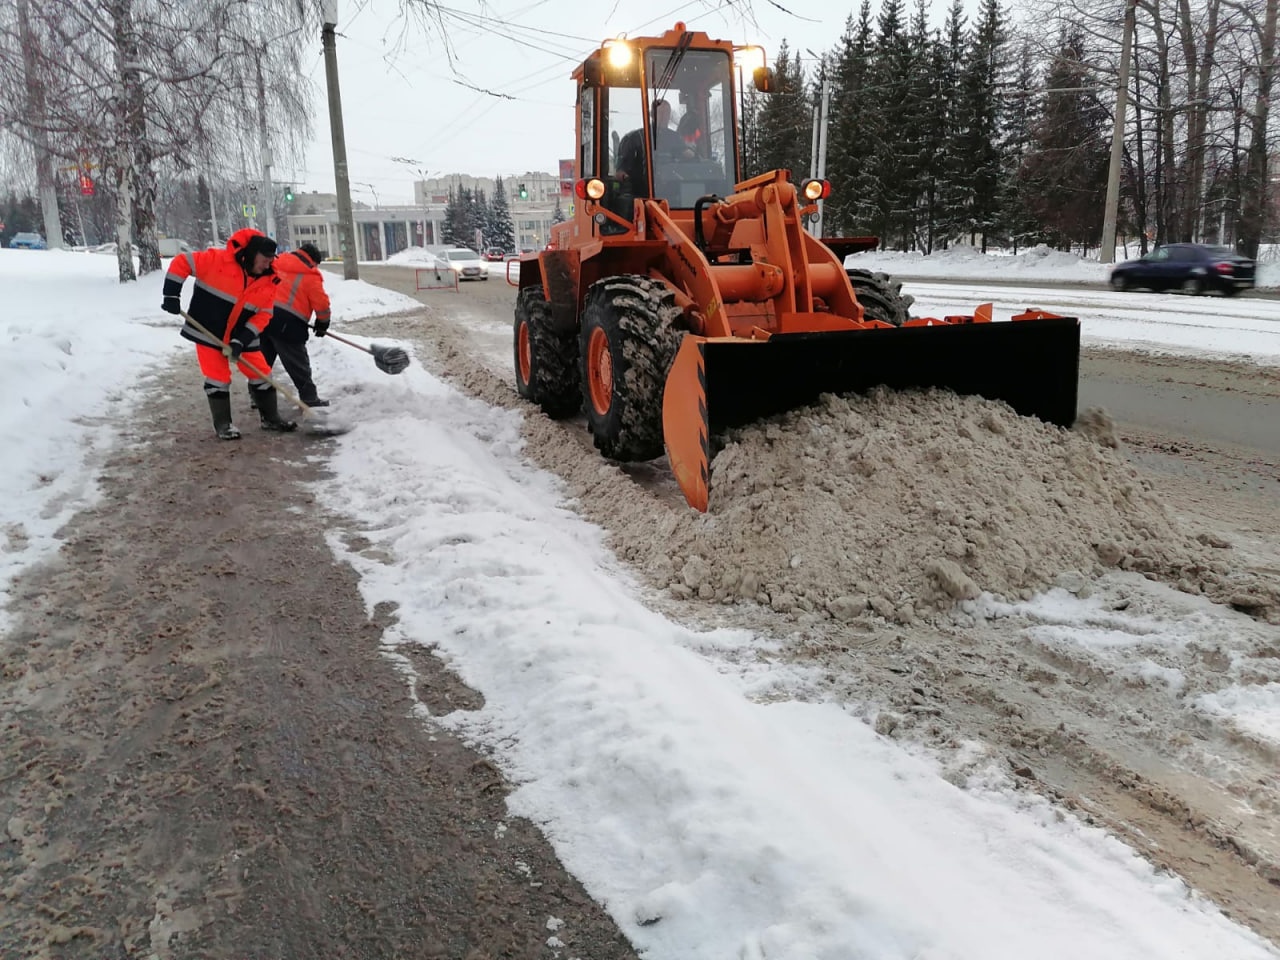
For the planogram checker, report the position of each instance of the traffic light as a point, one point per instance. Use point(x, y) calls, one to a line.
point(288, 194)
point(86, 185)
point(524, 194)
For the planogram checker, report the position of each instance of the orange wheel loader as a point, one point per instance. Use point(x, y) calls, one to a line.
point(679, 299)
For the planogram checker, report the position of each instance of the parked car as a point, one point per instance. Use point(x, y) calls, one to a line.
point(28, 241)
point(466, 263)
point(494, 255)
point(1193, 268)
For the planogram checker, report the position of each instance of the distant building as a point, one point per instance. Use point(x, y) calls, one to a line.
point(383, 231)
point(380, 231)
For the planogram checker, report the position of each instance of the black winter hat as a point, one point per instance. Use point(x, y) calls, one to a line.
point(312, 251)
point(256, 245)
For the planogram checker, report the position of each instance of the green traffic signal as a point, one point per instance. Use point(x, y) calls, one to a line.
point(288, 194)
point(524, 194)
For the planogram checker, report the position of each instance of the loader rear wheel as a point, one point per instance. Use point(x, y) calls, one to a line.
point(881, 297)
point(630, 334)
point(546, 362)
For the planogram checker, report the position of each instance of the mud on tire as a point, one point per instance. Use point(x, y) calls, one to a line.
point(549, 374)
point(643, 328)
point(881, 296)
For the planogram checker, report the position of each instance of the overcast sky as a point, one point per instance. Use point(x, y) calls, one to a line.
point(403, 98)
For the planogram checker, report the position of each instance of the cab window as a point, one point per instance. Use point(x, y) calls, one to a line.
point(690, 107)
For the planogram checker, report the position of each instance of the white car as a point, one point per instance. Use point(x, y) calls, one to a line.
point(466, 263)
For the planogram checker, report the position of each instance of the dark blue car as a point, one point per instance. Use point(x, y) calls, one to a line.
point(1192, 268)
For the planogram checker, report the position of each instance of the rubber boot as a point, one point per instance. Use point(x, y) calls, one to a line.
point(220, 407)
point(253, 398)
point(269, 411)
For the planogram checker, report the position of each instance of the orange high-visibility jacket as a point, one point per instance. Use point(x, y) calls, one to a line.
point(299, 294)
point(226, 299)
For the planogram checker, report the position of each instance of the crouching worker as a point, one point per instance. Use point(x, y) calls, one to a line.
point(299, 294)
point(232, 300)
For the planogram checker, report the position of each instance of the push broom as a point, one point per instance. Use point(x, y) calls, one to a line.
point(391, 360)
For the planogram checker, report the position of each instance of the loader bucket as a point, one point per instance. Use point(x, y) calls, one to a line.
point(1033, 365)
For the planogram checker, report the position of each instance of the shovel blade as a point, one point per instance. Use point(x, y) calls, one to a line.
point(1033, 365)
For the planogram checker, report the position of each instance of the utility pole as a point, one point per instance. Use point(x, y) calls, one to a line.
point(822, 148)
point(818, 148)
point(45, 183)
point(346, 235)
point(1111, 211)
point(265, 146)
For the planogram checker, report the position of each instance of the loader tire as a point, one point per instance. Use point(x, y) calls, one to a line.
point(881, 297)
point(546, 362)
point(631, 329)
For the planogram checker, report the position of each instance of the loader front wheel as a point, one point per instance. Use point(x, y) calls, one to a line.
point(881, 297)
point(630, 333)
point(546, 362)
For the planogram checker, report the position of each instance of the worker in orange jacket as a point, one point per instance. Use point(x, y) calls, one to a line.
point(299, 295)
point(232, 300)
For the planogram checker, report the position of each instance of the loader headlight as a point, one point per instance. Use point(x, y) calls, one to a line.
point(815, 189)
point(595, 188)
point(750, 58)
point(618, 52)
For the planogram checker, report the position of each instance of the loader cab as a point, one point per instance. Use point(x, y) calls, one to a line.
point(658, 122)
point(691, 124)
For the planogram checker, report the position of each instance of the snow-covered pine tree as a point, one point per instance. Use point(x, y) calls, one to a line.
point(786, 119)
point(1064, 173)
point(477, 221)
point(891, 81)
point(854, 132)
point(448, 228)
point(503, 229)
point(1017, 221)
point(982, 99)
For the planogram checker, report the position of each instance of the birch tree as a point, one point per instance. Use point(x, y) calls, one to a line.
point(145, 87)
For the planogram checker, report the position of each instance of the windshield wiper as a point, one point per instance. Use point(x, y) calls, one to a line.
point(673, 63)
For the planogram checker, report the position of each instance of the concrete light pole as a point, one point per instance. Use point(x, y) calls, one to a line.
point(1111, 212)
point(264, 145)
point(346, 232)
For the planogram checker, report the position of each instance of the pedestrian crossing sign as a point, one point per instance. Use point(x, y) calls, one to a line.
point(250, 210)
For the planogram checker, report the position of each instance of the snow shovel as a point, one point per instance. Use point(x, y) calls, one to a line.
point(315, 422)
point(391, 360)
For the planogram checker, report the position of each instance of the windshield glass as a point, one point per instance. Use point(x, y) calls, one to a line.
point(462, 255)
point(690, 112)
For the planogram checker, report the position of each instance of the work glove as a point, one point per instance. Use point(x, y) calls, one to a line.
point(171, 304)
point(234, 349)
point(321, 327)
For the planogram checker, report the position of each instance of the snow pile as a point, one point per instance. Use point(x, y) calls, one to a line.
point(1039, 263)
point(412, 257)
point(962, 260)
point(896, 504)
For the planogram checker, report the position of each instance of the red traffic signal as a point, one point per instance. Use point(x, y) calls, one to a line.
point(86, 185)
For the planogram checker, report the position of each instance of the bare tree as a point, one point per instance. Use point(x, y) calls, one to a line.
point(33, 76)
point(148, 87)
